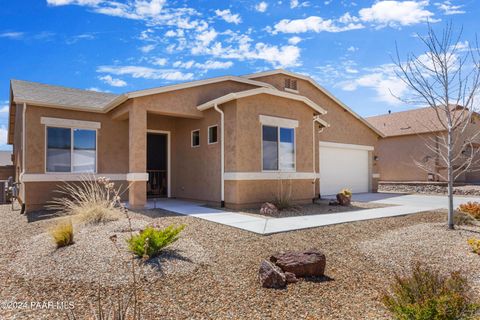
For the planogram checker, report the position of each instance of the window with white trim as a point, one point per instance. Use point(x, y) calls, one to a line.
point(71, 150)
point(278, 148)
point(195, 138)
point(212, 134)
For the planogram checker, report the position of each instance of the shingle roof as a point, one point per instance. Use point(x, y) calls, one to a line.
point(422, 120)
point(44, 94)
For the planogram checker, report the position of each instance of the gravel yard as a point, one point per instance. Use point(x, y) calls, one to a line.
point(213, 273)
point(319, 207)
point(428, 188)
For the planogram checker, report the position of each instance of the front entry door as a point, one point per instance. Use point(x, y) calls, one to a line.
point(157, 164)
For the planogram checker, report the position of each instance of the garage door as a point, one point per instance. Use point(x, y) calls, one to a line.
point(343, 166)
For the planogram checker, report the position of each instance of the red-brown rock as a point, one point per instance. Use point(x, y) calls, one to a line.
point(309, 263)
point(271, 276)
point(290, 277)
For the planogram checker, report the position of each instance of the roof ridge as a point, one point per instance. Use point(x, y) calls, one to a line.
point(64, 87)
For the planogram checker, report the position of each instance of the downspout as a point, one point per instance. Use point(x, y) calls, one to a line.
point(24, 110)
point(222, 155)
point(314, 182)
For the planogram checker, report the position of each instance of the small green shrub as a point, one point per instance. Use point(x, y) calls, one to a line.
point(474, 243)
point(471, 208)
point(426, 294)
point(62, 234)
point(150, 242)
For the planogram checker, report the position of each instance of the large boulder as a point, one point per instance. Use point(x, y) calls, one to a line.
point(310, 263)
point(271, 276)
point(268, 209)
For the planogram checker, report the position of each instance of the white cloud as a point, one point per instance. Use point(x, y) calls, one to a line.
point(294, 40)
point(4, 107)
point(397, 13)
point(3, 137)
point(77, 2)
point(147, 48)
point(228, 16)
point(261, 6)
point(313, 23)
point(352, 49)
point(449, 9)
point(383, 80)
point(12, 35)
point(208, 65)
point(170, 33)
point(146, 72)
point(114, 82)
point(159, 61)
point(298, 4)
point(207, 36)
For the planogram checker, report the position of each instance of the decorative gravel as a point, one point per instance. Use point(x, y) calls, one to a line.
point(429, 243)
point(428, 188)
point(94, 257)
point(319, 207)
point(223, 284)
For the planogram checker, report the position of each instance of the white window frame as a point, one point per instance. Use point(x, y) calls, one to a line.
point(278, 148)
point(191, 138)
point(71, 148)
point(208, 134)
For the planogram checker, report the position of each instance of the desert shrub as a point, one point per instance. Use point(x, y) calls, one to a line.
point(91, 200)
point(62, 233)
point(346, 192)
point(283, 199)
point(426, 294)
point(471, 208)
point(463, 219)
point(150, 242)
point(474, 243)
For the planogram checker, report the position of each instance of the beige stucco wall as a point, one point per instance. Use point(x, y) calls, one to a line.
point(344, 127)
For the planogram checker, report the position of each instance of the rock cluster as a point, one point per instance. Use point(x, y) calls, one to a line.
point(287, 267)
point(268, 209)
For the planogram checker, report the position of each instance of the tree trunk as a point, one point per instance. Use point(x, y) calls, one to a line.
point(450, 181)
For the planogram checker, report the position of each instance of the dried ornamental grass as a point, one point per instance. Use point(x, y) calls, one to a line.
point(471, 208)
point(91, 200)
point(62, 233)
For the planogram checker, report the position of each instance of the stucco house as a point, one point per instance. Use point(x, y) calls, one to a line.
point(405, 135)
point(228, 140)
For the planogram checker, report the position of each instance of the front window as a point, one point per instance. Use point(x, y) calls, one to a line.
point(71, 150)
point(278, 146)
point(195, 138)
point(212, 134)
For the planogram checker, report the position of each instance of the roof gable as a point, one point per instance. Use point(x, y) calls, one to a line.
point(319, 87)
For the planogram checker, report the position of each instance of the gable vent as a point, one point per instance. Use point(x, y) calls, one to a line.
point(290, 84)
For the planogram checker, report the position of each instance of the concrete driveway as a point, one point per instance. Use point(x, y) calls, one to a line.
point(404, 205)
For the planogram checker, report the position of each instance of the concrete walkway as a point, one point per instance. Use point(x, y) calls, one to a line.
point(404, 204)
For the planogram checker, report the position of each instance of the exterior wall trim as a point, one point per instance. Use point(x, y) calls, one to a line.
point(241, 176)
point(278, 122)
point(70, 123)
point(137, 176)
point(345, 146)
point(58, 177)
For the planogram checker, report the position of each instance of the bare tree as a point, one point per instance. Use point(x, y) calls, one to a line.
point(446, 78)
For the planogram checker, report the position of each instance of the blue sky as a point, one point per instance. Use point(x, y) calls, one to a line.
point(120, 46)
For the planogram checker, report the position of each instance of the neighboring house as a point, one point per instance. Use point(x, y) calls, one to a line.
point(6, 165)
point(228, 140)
point(406, 135)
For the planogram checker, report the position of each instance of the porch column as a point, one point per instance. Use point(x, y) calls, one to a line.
point(137, 157)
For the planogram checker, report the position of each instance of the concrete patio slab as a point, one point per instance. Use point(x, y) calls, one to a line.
point(402, 205)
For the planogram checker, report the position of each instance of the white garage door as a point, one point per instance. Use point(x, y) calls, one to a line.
point(343, 166)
